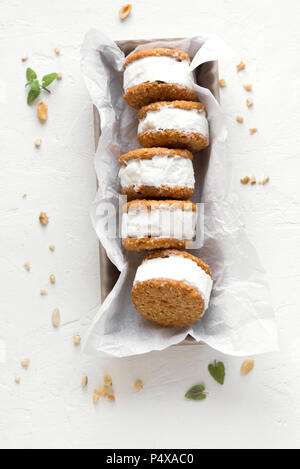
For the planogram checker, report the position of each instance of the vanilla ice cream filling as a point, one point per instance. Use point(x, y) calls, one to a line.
point(176, 268)
point(162, 68)
point(159, 223)
point(158, 171)
point(172, 118)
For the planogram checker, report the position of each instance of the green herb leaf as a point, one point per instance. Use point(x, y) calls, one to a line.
point(196, 393)
point(30, 75)
point(32, 95)
point(48, 79)
point(35, 85)
point(217, 371)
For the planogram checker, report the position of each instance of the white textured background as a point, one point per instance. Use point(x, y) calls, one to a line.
point(49, 409)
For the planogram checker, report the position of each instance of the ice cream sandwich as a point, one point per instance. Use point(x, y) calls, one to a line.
point(177, 124)
point(172, 288)
point(158, 74)
point(157, 173)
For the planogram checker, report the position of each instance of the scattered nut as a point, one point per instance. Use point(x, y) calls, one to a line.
point(44, 293)
point(253, 180)
point(42, 111)
point(247, 366)
point(57, 51)
point(249, 102)
point(222, 83)
point(27, 266)
point(253, 131)
point(25, 363)
point(95, 398)
point(52, 247)
point(44, 219)
point(265, 180)
point(138, 385)
point(245, 180)
point(248, 87)
point(77, 339)
point(107, 380)
point(17, 380)
point(241, 66)
point(240, 119)
point(125, 11)
point(25, 58)
point(56, 317)
point(84, 382)
point(38, 142)
point(52, 279)
point(59, 76)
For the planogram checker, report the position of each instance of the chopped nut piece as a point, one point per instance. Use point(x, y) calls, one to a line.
point(107, 380)
point(245, 180)
point(111, 397)
point(138, 385)
point(77, 339)
point(52, 279)
point(253, 131)
point(17, 379)
point(27, 266)
point(253, 180)
point(101, 391)
point(25, 363)
point(247, 366)
point(38, 142)
point(125, 11)
point(42, 111)
point(240, 119)
point(84, 382)
point(57, 51)
point(44, 219)
point(249, 102)
point(248, 87)
point(241, 66)
point(265, 180)
point(56, 317)
point(95, 398)
point(44, 292)
point(25, 58)
point(222, 83)
point(52, 247)
point(59, 76)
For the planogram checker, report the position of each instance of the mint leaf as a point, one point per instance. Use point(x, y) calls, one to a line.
point(196, 393)
point(35, 85)
point(48, 79)
point(32, 95)
point(30, 75)
point(217, 371)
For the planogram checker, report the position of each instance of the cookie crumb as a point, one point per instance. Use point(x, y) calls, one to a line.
point(17, 380)
point(42, 111)
point(38, 142)
point(57, 51)
point(107, 380)
point(241, 66)
point(25, 363)
point(77, 339)
point(95, 398)
point(249, 102)
point(265, 180)
point(111, 397)
point(248, 87)
point(25, 58)
point(59, 76)
point(24, 196)
point(245, 180)
point(52, 279)
point(27, 266)
point(253, 131)
point(222, 83)
point(253, 180)
point(101, 391)
point(44, 292)
point(44, 219)
point(52, 247)
point(138, 385)
point(56, 317)
point(84, 382)
point(125, 11)
point(247, 366)
point(240, 119)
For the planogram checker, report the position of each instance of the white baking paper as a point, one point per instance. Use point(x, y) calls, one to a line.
point(240, 319)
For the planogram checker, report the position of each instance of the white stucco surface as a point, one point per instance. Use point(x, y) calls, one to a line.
point(48, 409)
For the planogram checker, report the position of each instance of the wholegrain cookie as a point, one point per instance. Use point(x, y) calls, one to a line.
point(158, 74)
point(156, 224)
point(172, 288)
point(176, 124)
point(157, 173)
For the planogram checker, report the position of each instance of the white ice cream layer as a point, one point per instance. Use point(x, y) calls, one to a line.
point(176, 268)
point(171, 118)
point(159, 223)
point(160, 170)
point(149, 69)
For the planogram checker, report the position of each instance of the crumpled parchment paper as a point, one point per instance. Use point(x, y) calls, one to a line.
point(240, 319)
